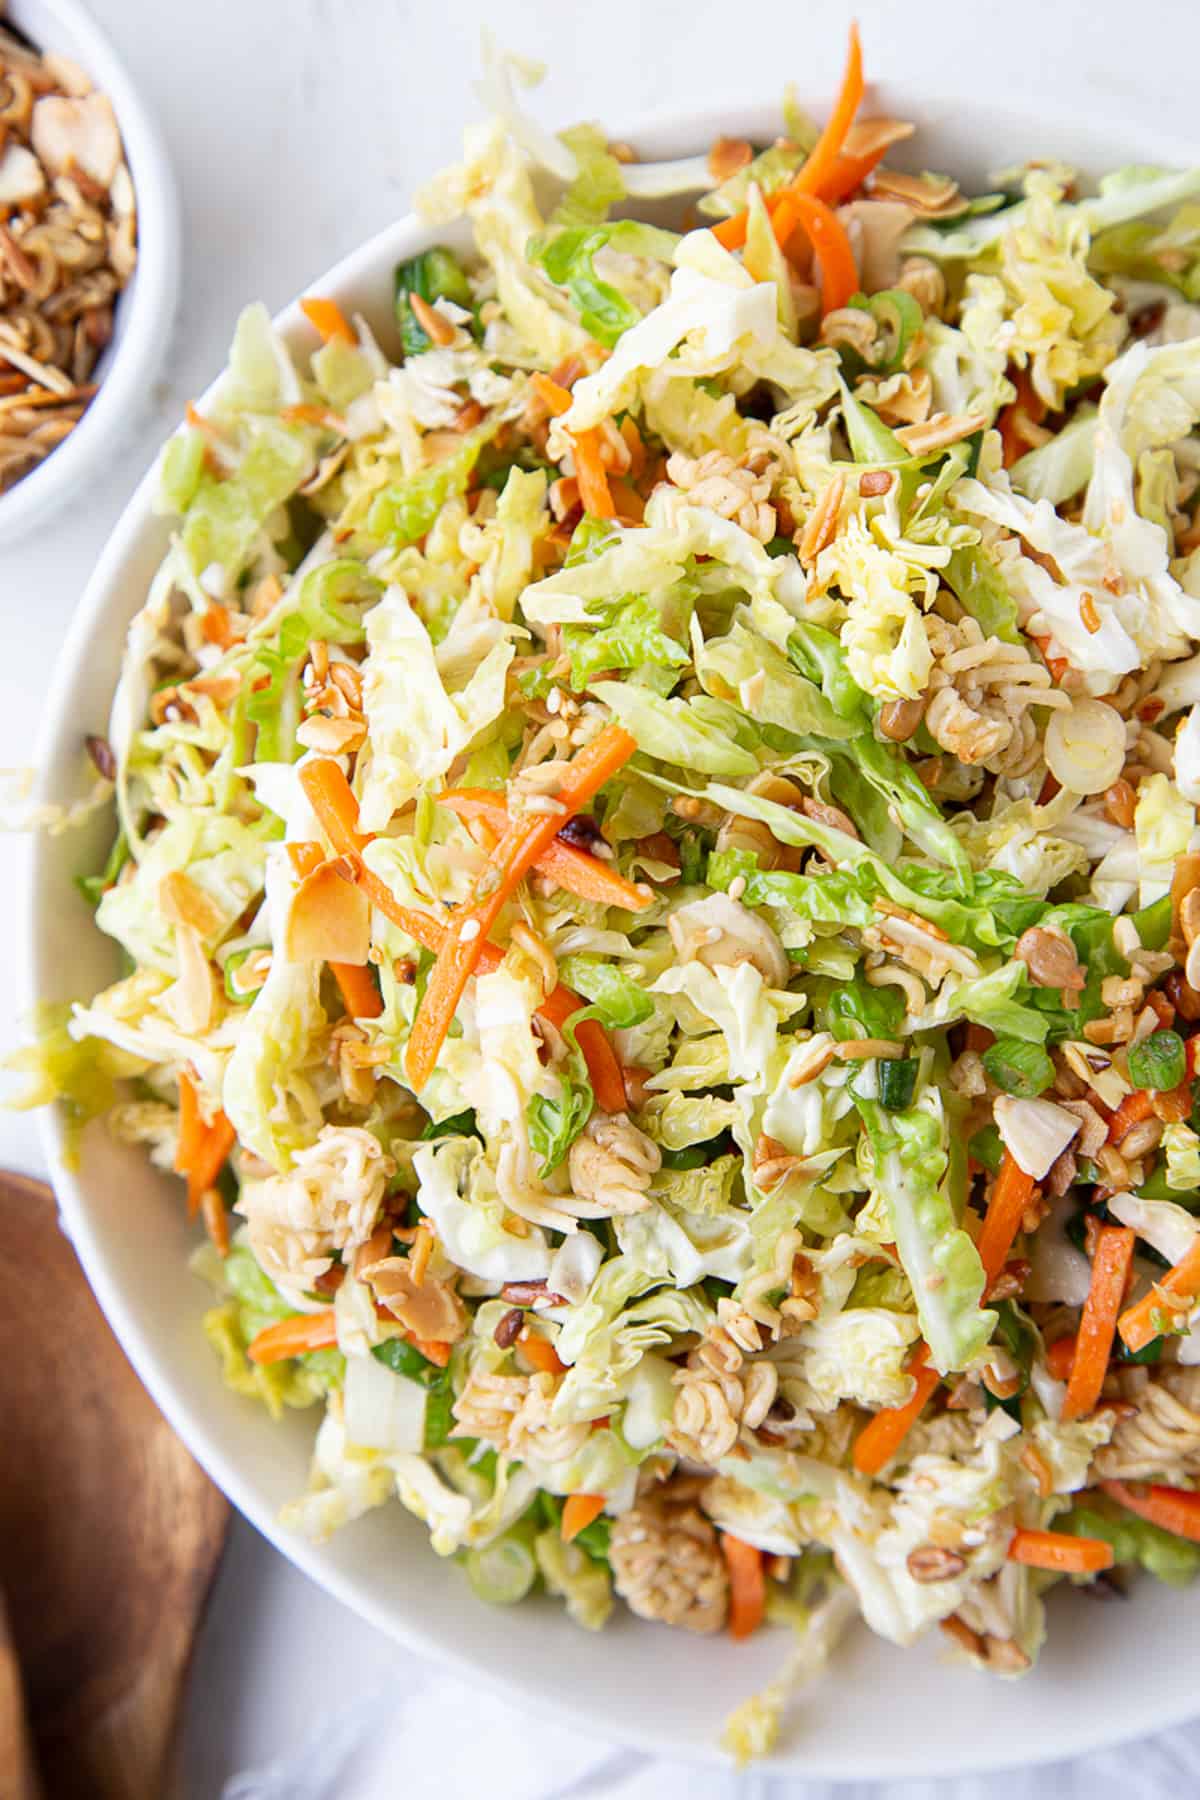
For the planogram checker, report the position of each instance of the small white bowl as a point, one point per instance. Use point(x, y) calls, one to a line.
point(880, 1713)
point(145, 310)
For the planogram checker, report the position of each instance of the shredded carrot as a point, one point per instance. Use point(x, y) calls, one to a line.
point(333, 801)
point(327, 318)
point(305, 857)
point(604, 1071)
point(747, 1586)
point(541, 1353)
point(1060, 1357)
point(572, 869)
point(1111, 1264)
point(882, 1436)
point(1061, 1552)
point(821, 165)
point(1173, 1509)
point(1029, 404)
point(1133, 1109)
point(516, 854)
point(592, 476)
point(1174, 1295)
point(357, 987)
point(831, 245)
point(203, 1147)
point(191, 1125)
point(555, 399)
point(216, 1220)
point(578, 1512)
point(849, 173)
point(434, 1350)
point(1011, 1194)
point(294, 1336)
point(1057, 665)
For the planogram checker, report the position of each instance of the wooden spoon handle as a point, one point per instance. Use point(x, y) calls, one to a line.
point(18, 1776)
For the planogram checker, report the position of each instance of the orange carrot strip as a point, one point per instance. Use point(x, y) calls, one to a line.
point(191, 1125)
point(747, 1586)
point(434, 1350)
point(216, 1220)
point(1057, 665)
point(333, 801)
point(554, 398)
point(820, 166)
point(358, 990)
point(1133, 1109)
point(882, 1436)
point(516, 854)
point(604, 1071)
point(849, 173)
point(541, 1353)
point(1173, 1509)
point(1061, 1552)
point(1180, 1284)
point(327, 318)
point(591, 475)
point(578, 1512)
point(202, 1148)
point(1060, 1357)
point(294, 1336)
point(1111, 1264)
point(305, 857)
point(572, 869)
point(1011, 1193)
point(831, 245)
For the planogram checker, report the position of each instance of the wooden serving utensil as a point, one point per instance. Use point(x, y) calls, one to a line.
point(110, 1533)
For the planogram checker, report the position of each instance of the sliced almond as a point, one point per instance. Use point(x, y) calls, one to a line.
point(77, 134)
point(870, 137)
point(192, 1000)
point(932, 196)
point(183, 903)
point(429, 1309)
point(329, 920)
point(21, 177)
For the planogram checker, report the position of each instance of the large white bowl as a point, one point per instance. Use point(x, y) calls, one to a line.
point(145, 312)
point(882, 1713)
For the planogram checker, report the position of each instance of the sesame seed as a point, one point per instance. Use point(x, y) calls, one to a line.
point(737, 887)
point(469, 932)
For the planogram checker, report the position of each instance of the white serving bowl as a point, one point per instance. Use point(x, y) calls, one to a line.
point(881, 1713)
point(145, 311)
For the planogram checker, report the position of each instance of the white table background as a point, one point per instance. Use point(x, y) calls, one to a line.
point(297, 128)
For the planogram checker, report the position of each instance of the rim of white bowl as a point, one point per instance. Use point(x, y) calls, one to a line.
point(150, 301)
point(1083, 1732)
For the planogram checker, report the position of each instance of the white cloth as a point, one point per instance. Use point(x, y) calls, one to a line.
point(412, 1743)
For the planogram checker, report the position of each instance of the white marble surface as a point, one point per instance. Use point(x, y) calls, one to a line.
point(297, 127)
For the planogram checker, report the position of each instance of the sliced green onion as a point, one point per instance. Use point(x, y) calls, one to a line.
point(1158, 1062)
point(987, 1149)
point(898, 318)
point(234, 990)
point(503, 1572)
point(1018, 1068)
point(897, 1082)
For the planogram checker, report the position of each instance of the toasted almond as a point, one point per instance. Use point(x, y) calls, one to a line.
point(193, 997)
point(329, 920)
point(727, 156)
point(822, 525)
point(183, 903)
point(436, 326)
point(932, 196)
point(940, 431)
point(334, 737)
